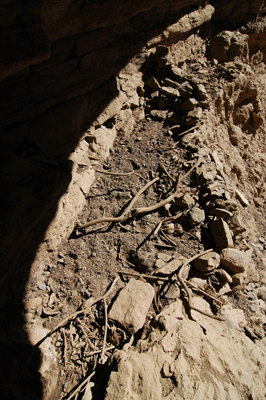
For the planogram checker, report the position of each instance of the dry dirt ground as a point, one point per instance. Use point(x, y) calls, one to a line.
point(89, 260)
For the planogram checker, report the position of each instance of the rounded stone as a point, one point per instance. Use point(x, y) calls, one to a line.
point(196, 216)
point(233, 259)
point(207, 262)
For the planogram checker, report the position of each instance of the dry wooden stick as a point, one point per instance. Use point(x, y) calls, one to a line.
point(92, 353)
point(184, 284)
point(166, 172)
point(121, 173)
point(76, 313)
point(105, 331)
point(144, 210)
point(207, 295)
point(154, 278)
point(124, 215)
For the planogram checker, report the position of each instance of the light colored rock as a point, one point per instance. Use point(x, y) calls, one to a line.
point(125, 122)
point(184, 201)
point(158, 115)
point(220, 213)
point(33, 304)
point(169, 91)
point(201, 92)
point(137, 377)
point(132, 304)
point(207, 262)
point(170, 266)
point(233, 259)
point(177, 73)
point(153, 84)
point(186, 90)
point(193, 116)
point(196, 216)
point(222, 234)
point(224, 275)
point(193, 352)
point(243, 200)
point(189, 104)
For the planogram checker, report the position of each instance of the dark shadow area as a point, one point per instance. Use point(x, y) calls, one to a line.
point(45, 108)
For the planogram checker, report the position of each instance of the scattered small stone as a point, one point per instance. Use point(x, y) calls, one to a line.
point(196, 216)
point(177, 73)
point(254, 307)
point(169, 91)
point(201, 92)
point(220, 213)
point(224, 275)
point(242, 198)
point(158, 115)
point(207, 262)
point(189, 104)
point(193, 116)
point(186, 90)
point(170, 266)
point(222, 234)
point(153, 84)
point(171, 83)
point(132, 304)
point(233, 259)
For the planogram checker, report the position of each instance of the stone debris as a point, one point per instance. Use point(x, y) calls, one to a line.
point(207, 262)
point(233, 260)
point(196, 216)
point(132, 304)
point(222, 234)
point(242, 198)
point(167, 268)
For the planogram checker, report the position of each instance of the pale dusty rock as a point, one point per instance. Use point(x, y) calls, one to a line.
point(170, 266)
point(137, 378)
point(193, 353)
point(207, 262)
point(132, 304)
point(186, 90)
point(196, 216)
point(242, 198)
point(222, 234)
point(169, 91)
point(158, 115)
point(33, 304)
point(193, 116)
point(189, 104)
point(233, 259)
point(220, 213)
point(125, 122)
point(153, 83)
point(170, 82)
point(201, 92)
point(177, 73)
point(184, 201)
point(224, 275)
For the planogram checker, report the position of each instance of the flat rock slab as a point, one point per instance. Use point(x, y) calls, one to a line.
point(222, 234)
point(132, 305)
